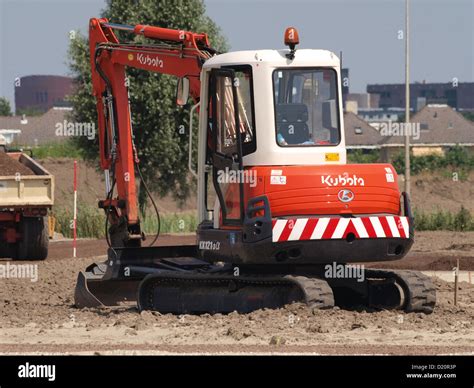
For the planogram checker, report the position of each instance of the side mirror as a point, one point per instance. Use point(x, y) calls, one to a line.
point(182, 92)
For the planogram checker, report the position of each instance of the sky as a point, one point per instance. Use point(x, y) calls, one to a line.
point(34, 35)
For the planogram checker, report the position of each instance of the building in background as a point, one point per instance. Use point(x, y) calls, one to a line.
point(359, 134)
point(440, 127)
point(32, 131)
point(364, 100)
point(458, 96)
point(376, 116)
point(8, 134)
point(354, 101)
point(39, 93)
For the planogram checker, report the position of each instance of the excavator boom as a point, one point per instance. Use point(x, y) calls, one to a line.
point(173, 52)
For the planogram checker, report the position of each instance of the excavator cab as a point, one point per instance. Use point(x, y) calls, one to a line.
point(277, 202)
point(274, 187)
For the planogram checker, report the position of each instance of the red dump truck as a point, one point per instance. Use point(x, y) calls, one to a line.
point(26, 195)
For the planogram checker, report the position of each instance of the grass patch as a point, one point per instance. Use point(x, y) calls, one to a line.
point(91, 222)
point(363, 156)
point(184, 222)
point(462, 221)
point(457, 159)
point(64, 149)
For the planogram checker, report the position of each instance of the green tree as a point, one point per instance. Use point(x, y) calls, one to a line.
point(5, 108)
point(363, 156)
point(30, 111)
point(468, 115)
point(162, 150)
point(463, 220)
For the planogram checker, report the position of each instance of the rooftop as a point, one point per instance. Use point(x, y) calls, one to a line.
point(35, 129)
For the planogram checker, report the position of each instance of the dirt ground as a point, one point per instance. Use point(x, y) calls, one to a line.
point(41, 318)
point(432, 192)
point(10, 166)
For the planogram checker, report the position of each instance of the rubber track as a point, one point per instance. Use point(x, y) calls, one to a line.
point(200, 280)
point(317, 292)
point(420, 292)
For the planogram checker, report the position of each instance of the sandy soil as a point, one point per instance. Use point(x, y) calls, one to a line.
point(10, 166)
point(432, 192)
point(40, 318)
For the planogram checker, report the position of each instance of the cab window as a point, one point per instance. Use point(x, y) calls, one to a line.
point(306, 107)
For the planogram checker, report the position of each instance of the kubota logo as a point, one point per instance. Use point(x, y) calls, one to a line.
point(342, 180)
point(345, 195)
point(150, 61)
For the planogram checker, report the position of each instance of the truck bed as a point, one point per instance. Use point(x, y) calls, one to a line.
point(24, 182)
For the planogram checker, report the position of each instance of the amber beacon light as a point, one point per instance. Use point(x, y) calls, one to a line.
point(291, 40)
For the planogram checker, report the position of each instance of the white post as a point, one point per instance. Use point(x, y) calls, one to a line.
point(407, 99)
point(456, 281)
point(74, 242)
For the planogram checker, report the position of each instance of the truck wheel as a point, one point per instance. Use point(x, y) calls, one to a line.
point(35, 239)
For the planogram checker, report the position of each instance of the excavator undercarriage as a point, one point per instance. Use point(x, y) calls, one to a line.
point(172, 280)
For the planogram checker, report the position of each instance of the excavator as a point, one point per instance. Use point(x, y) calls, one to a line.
point(277, 203)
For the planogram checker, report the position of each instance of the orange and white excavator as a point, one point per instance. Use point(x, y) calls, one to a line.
point(282, 216)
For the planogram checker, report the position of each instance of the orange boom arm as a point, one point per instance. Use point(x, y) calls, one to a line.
point(175, 52)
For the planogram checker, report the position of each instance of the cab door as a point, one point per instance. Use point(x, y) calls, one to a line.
point(225, 146)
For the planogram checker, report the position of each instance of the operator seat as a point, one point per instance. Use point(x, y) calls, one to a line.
point(291, 121)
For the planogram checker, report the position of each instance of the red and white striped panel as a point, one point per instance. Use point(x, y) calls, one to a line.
point(294, 229)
